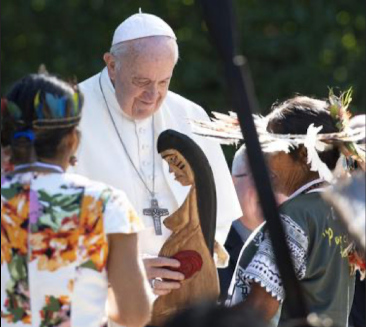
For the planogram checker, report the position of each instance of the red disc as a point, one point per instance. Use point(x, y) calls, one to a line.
point(190, 262)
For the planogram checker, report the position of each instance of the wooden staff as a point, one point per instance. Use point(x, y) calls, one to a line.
point(220, 19)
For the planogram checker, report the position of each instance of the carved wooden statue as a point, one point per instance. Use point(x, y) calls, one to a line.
point(193, 227)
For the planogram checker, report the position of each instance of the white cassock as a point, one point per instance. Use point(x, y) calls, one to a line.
point(102, 157)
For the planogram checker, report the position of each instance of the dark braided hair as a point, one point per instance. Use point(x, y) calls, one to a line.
point(19, 116)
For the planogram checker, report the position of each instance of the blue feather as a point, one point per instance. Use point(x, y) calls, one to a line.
point(56, 105)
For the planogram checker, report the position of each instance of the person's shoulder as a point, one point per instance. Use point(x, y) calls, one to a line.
point(306, 208)
point(92, 96)
point(90, 187)
point(233, 240)
point(119, 215)
point(178, 103)
point(304, 202)
point(89, 84)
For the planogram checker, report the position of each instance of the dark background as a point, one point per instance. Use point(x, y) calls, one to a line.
point(293, 46)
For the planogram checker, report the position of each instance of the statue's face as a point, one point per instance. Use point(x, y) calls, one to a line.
point(179, 166)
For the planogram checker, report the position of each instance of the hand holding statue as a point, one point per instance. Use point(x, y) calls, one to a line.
point(162, 279)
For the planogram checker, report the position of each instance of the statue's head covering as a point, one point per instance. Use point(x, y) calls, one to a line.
point(140, 26)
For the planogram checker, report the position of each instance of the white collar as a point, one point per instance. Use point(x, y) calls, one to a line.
point(38, 164)
point(303, 188)
point(110, 94)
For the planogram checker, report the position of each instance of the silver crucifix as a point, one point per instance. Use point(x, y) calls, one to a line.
point(156, 213)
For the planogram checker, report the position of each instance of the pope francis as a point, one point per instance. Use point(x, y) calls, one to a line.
point(127, 106)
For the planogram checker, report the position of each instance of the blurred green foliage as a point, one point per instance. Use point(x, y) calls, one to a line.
point(293, 46)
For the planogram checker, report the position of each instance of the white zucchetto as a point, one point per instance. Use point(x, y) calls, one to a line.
point(141, 25)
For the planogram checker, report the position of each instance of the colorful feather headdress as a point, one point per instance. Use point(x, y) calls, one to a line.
point(226, 129)
point(50, 111)
point(56, 112)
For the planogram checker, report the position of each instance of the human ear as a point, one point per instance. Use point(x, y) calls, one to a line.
point(72, 141)
point(303, 157)
point(110, 62)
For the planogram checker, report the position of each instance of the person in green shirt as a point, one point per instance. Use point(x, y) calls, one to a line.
point(314, 234)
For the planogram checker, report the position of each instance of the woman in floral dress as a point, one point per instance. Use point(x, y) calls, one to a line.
point(67, 243)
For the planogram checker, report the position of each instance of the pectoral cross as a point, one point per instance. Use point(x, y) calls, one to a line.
point(156, 213)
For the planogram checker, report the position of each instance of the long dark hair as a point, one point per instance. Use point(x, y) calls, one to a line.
point(204, 180)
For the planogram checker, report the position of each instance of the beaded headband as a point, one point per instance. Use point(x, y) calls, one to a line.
point(56, 112)
point(50, 111)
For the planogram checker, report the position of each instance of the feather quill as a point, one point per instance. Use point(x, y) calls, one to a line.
point(313, 146)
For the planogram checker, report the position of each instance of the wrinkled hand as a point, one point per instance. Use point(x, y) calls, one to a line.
point(165, 280)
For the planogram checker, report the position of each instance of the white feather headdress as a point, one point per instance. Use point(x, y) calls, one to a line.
point(226, 129)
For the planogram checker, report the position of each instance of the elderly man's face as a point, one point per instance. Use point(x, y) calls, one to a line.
point(246, 192)
point(248, 197)
point(142, 81)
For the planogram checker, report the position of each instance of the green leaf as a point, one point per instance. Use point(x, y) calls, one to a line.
point(9, 193)
point(346, 97)
point(18, 268)
point(89, 265)
point(68, 200)
point(44, 196)
point(18, 314)
point(72, 208)
point(54, 305)
point(49, 221)
point(11, 285)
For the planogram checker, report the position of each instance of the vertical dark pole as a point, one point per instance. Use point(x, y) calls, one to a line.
point(220, 20)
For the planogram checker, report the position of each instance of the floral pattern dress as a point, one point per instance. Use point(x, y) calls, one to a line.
point(54, 248)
